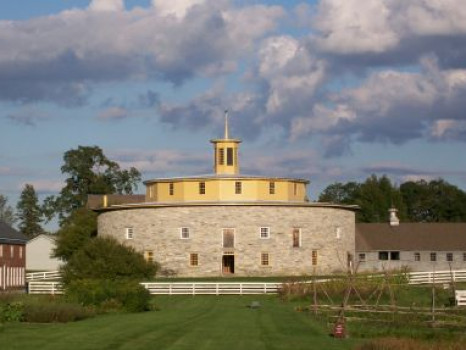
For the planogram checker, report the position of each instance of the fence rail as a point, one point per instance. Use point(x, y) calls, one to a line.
point(180, 288)
point(45, 288)
point(237, 288)
point(460, 297)
point(437, 277)
point(45, 275)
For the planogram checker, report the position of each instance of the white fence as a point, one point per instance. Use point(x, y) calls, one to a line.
point(238, 288)
point(437, 277)
point(460, 297)
point(45, 288)
point(11, 277)
point(46, 275)
point(198, 288)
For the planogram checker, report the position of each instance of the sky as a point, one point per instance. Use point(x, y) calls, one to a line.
point(326, 90)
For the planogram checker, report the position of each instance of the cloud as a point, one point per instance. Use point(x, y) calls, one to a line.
point(176, 8)
point(44, 186)
point(163, 162)
point(29, 117)
point(59, 58)
point(107, 5)
point(113, 113)
point(5, 170)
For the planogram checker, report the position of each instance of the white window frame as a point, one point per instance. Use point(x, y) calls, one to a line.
point(266, 231)
point(449, 257)
point(12, 251)
point(417, 256)
point(185, 230)
point(362, 257)
point(129, 232)
point(1, 250)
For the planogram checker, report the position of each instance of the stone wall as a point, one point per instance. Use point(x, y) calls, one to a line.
point(327, 230)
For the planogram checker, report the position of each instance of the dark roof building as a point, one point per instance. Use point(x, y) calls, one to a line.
point(12, 258)
point(9, 235)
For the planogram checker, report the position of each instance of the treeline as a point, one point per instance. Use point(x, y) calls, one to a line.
point(416, 201)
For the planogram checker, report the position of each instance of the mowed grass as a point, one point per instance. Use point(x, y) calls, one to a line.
point(194, 323)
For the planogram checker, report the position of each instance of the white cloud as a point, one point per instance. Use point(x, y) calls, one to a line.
point(354, 26)
point(176, 8)
point(107, 5)
point(113, 113)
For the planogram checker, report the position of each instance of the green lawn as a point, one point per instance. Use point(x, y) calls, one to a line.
point(194, 323)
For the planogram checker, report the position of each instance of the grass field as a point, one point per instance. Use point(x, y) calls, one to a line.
point(194, 323)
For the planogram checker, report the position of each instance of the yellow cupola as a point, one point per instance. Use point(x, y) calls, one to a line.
point(226, 153)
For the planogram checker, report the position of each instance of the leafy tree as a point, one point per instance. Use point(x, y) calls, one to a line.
point(374, 196)
point(434, 201)
point(89, 172)
point(28, 212)
point(6, 212)
point(75, 233)
point(340, 193)
point(106, 259)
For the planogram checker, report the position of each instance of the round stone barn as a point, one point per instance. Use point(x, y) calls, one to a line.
point(228, 224)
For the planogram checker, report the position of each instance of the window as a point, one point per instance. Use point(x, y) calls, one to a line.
point(185, 233)
point(433, 256)
point(171, 188)
point(362, 257)
point(271, 187)
point(194, 259)
point(265, 232)
point(449, 256)
point(21, 252)
point(464, 256)
point(238, 187)
point(296, 237)
point(394, 255)
point(417, 256)
point(12, 251)
point(383, 255)
point(129, 233)
point(149, 256)
point(265, 259)
point(314, 257)
point(228, 237)
point(229, 156)
point(201, 187)
point(221, 156)
point(1, 251)
point(338, 232)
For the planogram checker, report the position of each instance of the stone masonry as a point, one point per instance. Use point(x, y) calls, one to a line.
point(327, 230)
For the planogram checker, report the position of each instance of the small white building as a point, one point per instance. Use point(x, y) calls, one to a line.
point(39, 252)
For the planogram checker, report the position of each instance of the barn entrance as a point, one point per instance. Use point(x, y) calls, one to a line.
point(228, 264)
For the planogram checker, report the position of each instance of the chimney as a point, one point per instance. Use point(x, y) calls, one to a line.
point(394, 221)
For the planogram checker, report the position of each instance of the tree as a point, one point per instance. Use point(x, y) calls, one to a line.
point(75, 233)
point(103, 258)
point(29, 213)
point(434, 201)
point(374, 197)
point(89, 172)
point(6, 212)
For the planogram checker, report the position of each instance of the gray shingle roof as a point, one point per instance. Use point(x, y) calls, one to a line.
point(411, 236)
point(9, 235)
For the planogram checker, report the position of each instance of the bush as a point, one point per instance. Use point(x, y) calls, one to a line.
point(24, 308)
point(106, 259)
point(107, 294)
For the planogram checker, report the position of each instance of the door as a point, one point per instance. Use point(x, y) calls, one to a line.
point(228, 264)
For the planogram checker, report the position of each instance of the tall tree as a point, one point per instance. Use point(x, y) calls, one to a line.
point(434, 201)
point(374, 196)
point(89, 171)
point(28, 212)
point(6, 212)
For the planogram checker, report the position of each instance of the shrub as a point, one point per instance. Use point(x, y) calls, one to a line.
point(55, 312)
point(107, 294)
point(11, 311)
point(105, 258)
